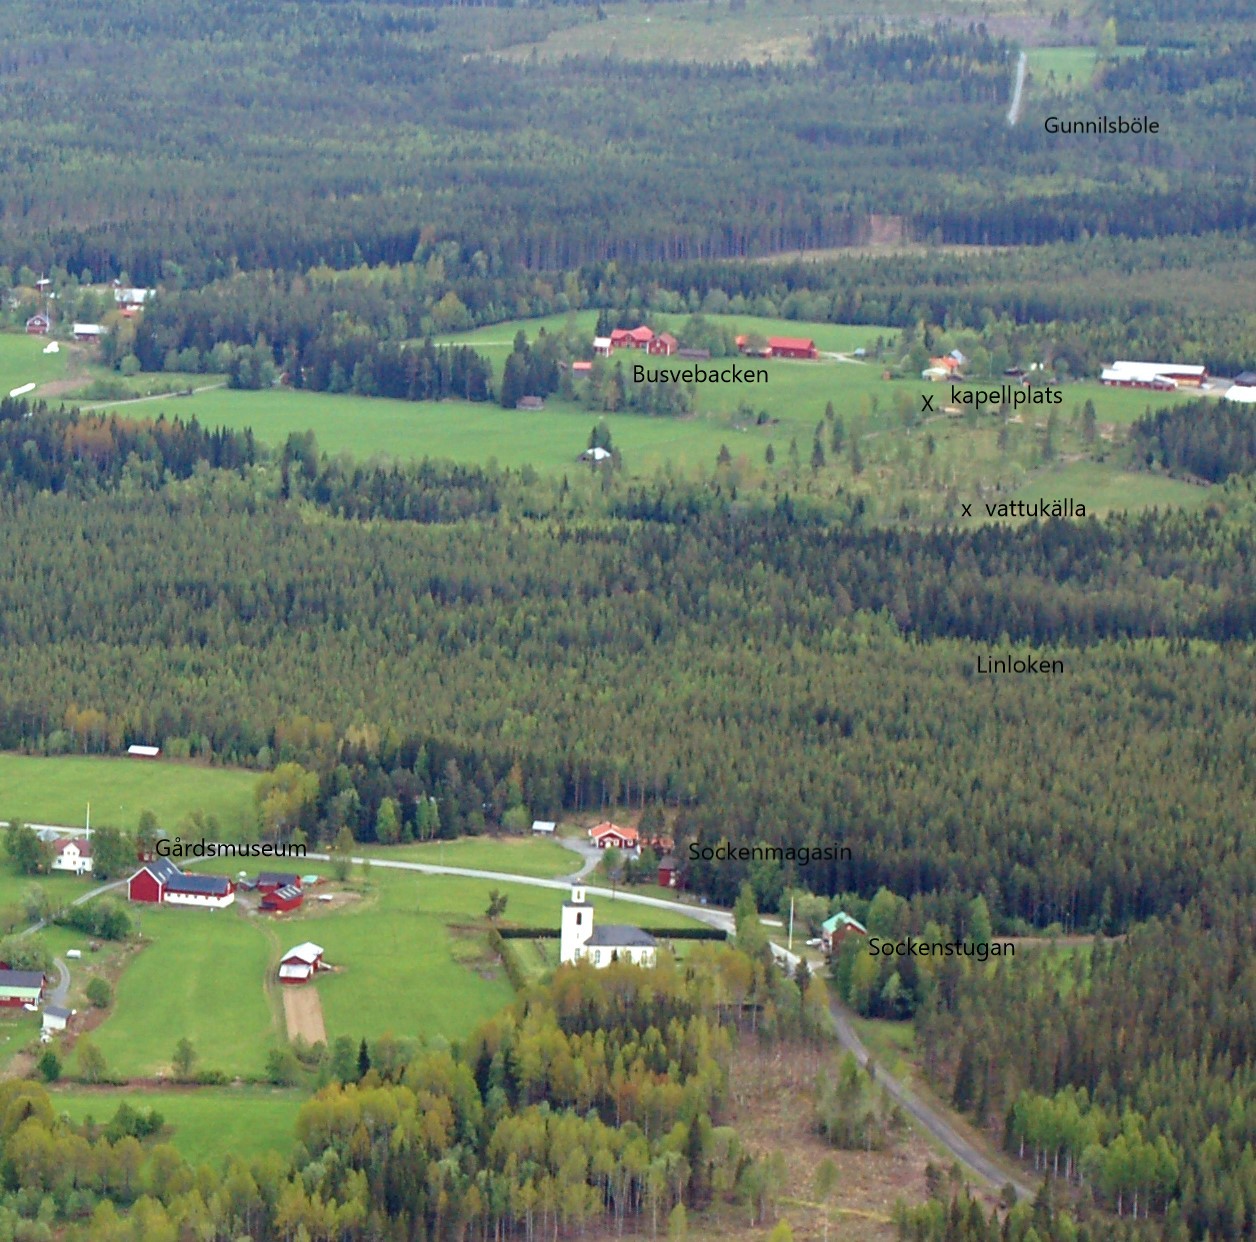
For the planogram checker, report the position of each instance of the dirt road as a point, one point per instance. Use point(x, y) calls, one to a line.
point(303, 1010)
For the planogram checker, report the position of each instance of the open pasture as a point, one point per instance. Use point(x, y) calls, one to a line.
point(23, 361)
point(520, 856)
point(206, 1124)
point(411, 958)
point(204, 976)
point(57, 790)
point(905, 473)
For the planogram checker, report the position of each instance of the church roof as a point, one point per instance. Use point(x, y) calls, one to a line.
point(620, 936)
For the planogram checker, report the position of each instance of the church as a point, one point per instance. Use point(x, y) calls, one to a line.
point(615, 942)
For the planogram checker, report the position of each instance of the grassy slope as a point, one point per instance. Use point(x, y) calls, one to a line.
point(1115, 489)
point(57, 791)
point(207, 1124)
point(540, 858)
point(204, 977)
point(22, 361)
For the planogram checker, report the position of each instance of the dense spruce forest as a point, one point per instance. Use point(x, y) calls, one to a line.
point(424, 135)
point(1105, 1075)
point(462, 631)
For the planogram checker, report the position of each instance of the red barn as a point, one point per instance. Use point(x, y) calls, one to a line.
point(665, 344)
point(38, 325)
point(669, 872)
point(792, 347)
point(280, 900)
point(300, 963)
point(161, 882)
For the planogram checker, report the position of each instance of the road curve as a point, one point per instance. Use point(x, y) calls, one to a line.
point(930, 1118)
point(702, 914)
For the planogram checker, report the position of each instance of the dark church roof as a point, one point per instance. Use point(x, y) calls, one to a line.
point(619, 936)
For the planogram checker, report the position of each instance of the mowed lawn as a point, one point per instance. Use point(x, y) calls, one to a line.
point(206, 1124)
point(540, 858)
point(23, 361)
point(203, 976)
point(57, 790)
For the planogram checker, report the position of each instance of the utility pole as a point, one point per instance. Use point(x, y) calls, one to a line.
point(791, 922)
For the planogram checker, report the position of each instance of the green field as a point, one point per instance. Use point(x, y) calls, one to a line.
point(206, 1124)
point(57, 791)
point(540, 858)
point(1058, 70)
point(408, 967)
point(906, 474)
point(22, 361)
point(204, 976)
point(1103, 490)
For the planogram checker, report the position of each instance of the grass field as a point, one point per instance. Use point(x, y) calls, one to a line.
point(409, 969)
point(907, 475)
point(540, 858)
point(1058, 70)
point(57, 791)
point(206, 1124)
point(203, 976)
point(22, 361)
point(1109, 490)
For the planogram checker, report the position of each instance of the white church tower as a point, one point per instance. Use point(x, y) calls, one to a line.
point(577, 925)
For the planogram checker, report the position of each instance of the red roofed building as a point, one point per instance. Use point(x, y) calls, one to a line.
point(611, 836)
point(664, 344)
point(279, 900)
point(72, 854)
point(632, 338)
point(792, 347)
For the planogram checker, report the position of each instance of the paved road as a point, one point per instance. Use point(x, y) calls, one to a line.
point(61, 990)
point(589, 854)
point(930, 1118)
point(703, 914)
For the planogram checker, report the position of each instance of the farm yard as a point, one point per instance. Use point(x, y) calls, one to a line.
point(407, 955)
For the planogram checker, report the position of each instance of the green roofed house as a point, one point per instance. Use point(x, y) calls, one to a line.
point(834, 930)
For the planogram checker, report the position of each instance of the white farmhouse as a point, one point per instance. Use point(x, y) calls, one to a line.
point(581, 941)
point(72, 854)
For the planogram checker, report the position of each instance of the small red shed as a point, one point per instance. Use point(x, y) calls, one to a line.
point(669, 872)
point(279, 900)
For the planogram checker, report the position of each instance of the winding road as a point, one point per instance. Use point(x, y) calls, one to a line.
point(933, 1120)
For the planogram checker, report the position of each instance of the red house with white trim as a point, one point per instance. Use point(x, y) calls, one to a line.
point(611, 836)
point(632, 338)
point(665, 344)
